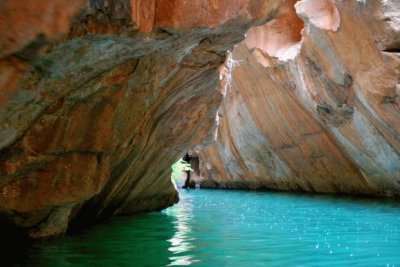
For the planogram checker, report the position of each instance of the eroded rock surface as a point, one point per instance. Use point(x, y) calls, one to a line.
point(317, 109)
point(98, 98)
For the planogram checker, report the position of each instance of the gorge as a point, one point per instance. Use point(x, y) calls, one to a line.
point(98, 98)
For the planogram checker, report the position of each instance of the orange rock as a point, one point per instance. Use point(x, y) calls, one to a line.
point(324, 119)
point(99, 98)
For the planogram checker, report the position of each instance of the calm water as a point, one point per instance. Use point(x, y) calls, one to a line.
point(237, 228)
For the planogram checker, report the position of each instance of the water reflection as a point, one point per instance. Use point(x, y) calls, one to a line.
point(237, 228)
point(126, 241)
point(182, 241)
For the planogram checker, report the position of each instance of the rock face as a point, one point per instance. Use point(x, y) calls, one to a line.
point(98, 98)
point(313, 103)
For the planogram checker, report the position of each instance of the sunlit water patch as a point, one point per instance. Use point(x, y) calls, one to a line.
point(237, 228)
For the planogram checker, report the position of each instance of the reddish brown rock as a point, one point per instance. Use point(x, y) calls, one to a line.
point(98, 98)
point(320, 114)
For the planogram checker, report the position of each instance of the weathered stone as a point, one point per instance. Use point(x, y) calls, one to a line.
point(323, 117)
point(98, 99)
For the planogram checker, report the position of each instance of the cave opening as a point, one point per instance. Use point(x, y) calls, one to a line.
point(186, 171)
point(100, 111)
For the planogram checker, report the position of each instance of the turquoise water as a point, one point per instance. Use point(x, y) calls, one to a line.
point(237, 228)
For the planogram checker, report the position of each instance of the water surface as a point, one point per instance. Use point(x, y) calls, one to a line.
point(237, 228)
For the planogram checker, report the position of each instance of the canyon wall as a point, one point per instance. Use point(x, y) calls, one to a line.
point(312, 103)
point(98, 99)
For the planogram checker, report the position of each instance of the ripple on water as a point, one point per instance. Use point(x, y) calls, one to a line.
point(237, 228)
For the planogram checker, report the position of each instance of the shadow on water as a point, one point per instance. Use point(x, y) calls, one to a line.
point(14, 245)
point(142, 240)
point(120, 242)
point(234, 228)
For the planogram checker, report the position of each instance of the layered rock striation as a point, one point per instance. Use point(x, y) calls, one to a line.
point(98, 99)
point(313, 103)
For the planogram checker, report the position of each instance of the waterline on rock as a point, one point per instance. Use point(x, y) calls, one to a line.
point(237, 228)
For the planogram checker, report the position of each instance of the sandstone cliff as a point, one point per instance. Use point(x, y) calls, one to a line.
point(98, 98)
point(313, 103)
